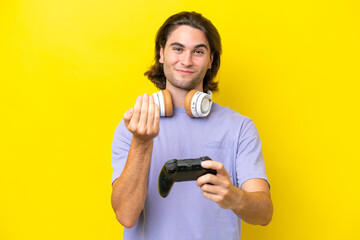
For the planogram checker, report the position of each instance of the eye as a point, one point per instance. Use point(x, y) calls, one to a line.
point(177, 49)
point(199, 52)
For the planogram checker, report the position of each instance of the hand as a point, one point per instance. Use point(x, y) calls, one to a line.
point(218, 188)
point(143, 120)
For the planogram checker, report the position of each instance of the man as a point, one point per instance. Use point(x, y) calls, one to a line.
point(187, 57)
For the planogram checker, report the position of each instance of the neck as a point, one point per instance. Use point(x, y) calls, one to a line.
point(178, 94)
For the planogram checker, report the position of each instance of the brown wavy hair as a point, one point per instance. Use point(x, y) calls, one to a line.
point(195, 20)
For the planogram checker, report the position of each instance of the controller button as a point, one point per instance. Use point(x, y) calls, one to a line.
point(171, 168)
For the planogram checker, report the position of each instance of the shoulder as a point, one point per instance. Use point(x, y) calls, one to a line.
point(241, 125)
point(229, 116)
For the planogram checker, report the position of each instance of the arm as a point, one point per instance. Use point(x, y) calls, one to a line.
point(129, 190)
point(252, 203)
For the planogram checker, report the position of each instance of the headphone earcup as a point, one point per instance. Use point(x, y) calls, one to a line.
point(198, 104)
point(188, 102)
point(168, 105)
point(164, 101)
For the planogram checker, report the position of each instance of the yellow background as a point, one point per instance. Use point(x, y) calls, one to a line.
point(70, 69)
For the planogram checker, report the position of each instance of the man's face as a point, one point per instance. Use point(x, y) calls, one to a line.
point(186, 58)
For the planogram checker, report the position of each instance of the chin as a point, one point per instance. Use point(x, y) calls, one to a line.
point(186, 84)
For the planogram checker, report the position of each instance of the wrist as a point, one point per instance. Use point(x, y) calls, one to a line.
point(141, 142)
point(238, 200)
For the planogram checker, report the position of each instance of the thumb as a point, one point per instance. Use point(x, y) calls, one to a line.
point(127, 116)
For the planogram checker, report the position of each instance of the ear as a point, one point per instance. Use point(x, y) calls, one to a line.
point(211, 60)
point(161, 59)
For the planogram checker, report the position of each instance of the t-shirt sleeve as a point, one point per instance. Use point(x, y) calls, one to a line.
point(120, 149)
point(249, 160)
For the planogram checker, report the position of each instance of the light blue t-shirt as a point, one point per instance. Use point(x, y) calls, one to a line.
point(224, 136)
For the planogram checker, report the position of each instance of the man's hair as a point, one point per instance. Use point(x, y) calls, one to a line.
point(195, 20)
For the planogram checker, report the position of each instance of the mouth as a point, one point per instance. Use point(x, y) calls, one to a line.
point(184, 72)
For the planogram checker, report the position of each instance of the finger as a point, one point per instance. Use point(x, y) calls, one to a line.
point(127, 116)
point(218, 191)
point(137, 110)
point(213, 197)
point(151, 113)
point(218, 166)
point(216, 180)
point(209, 188)
point(207, 179)
point(144, 112)
point(156, 118)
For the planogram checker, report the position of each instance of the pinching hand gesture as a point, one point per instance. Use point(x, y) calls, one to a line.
point(143, 120)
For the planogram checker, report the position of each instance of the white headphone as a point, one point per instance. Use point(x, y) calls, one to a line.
point(197, 104)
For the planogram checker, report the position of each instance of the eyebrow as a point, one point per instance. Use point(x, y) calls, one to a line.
point(182, 45)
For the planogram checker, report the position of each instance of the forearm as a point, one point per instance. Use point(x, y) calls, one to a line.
point(253, 207)
point(129, 190)
point(251, 202)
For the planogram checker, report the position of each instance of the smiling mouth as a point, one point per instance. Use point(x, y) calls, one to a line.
point(186, 72)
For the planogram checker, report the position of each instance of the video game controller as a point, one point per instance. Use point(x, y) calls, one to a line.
point(181, 170)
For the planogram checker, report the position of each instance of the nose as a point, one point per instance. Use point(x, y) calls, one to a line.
point(186, 59)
